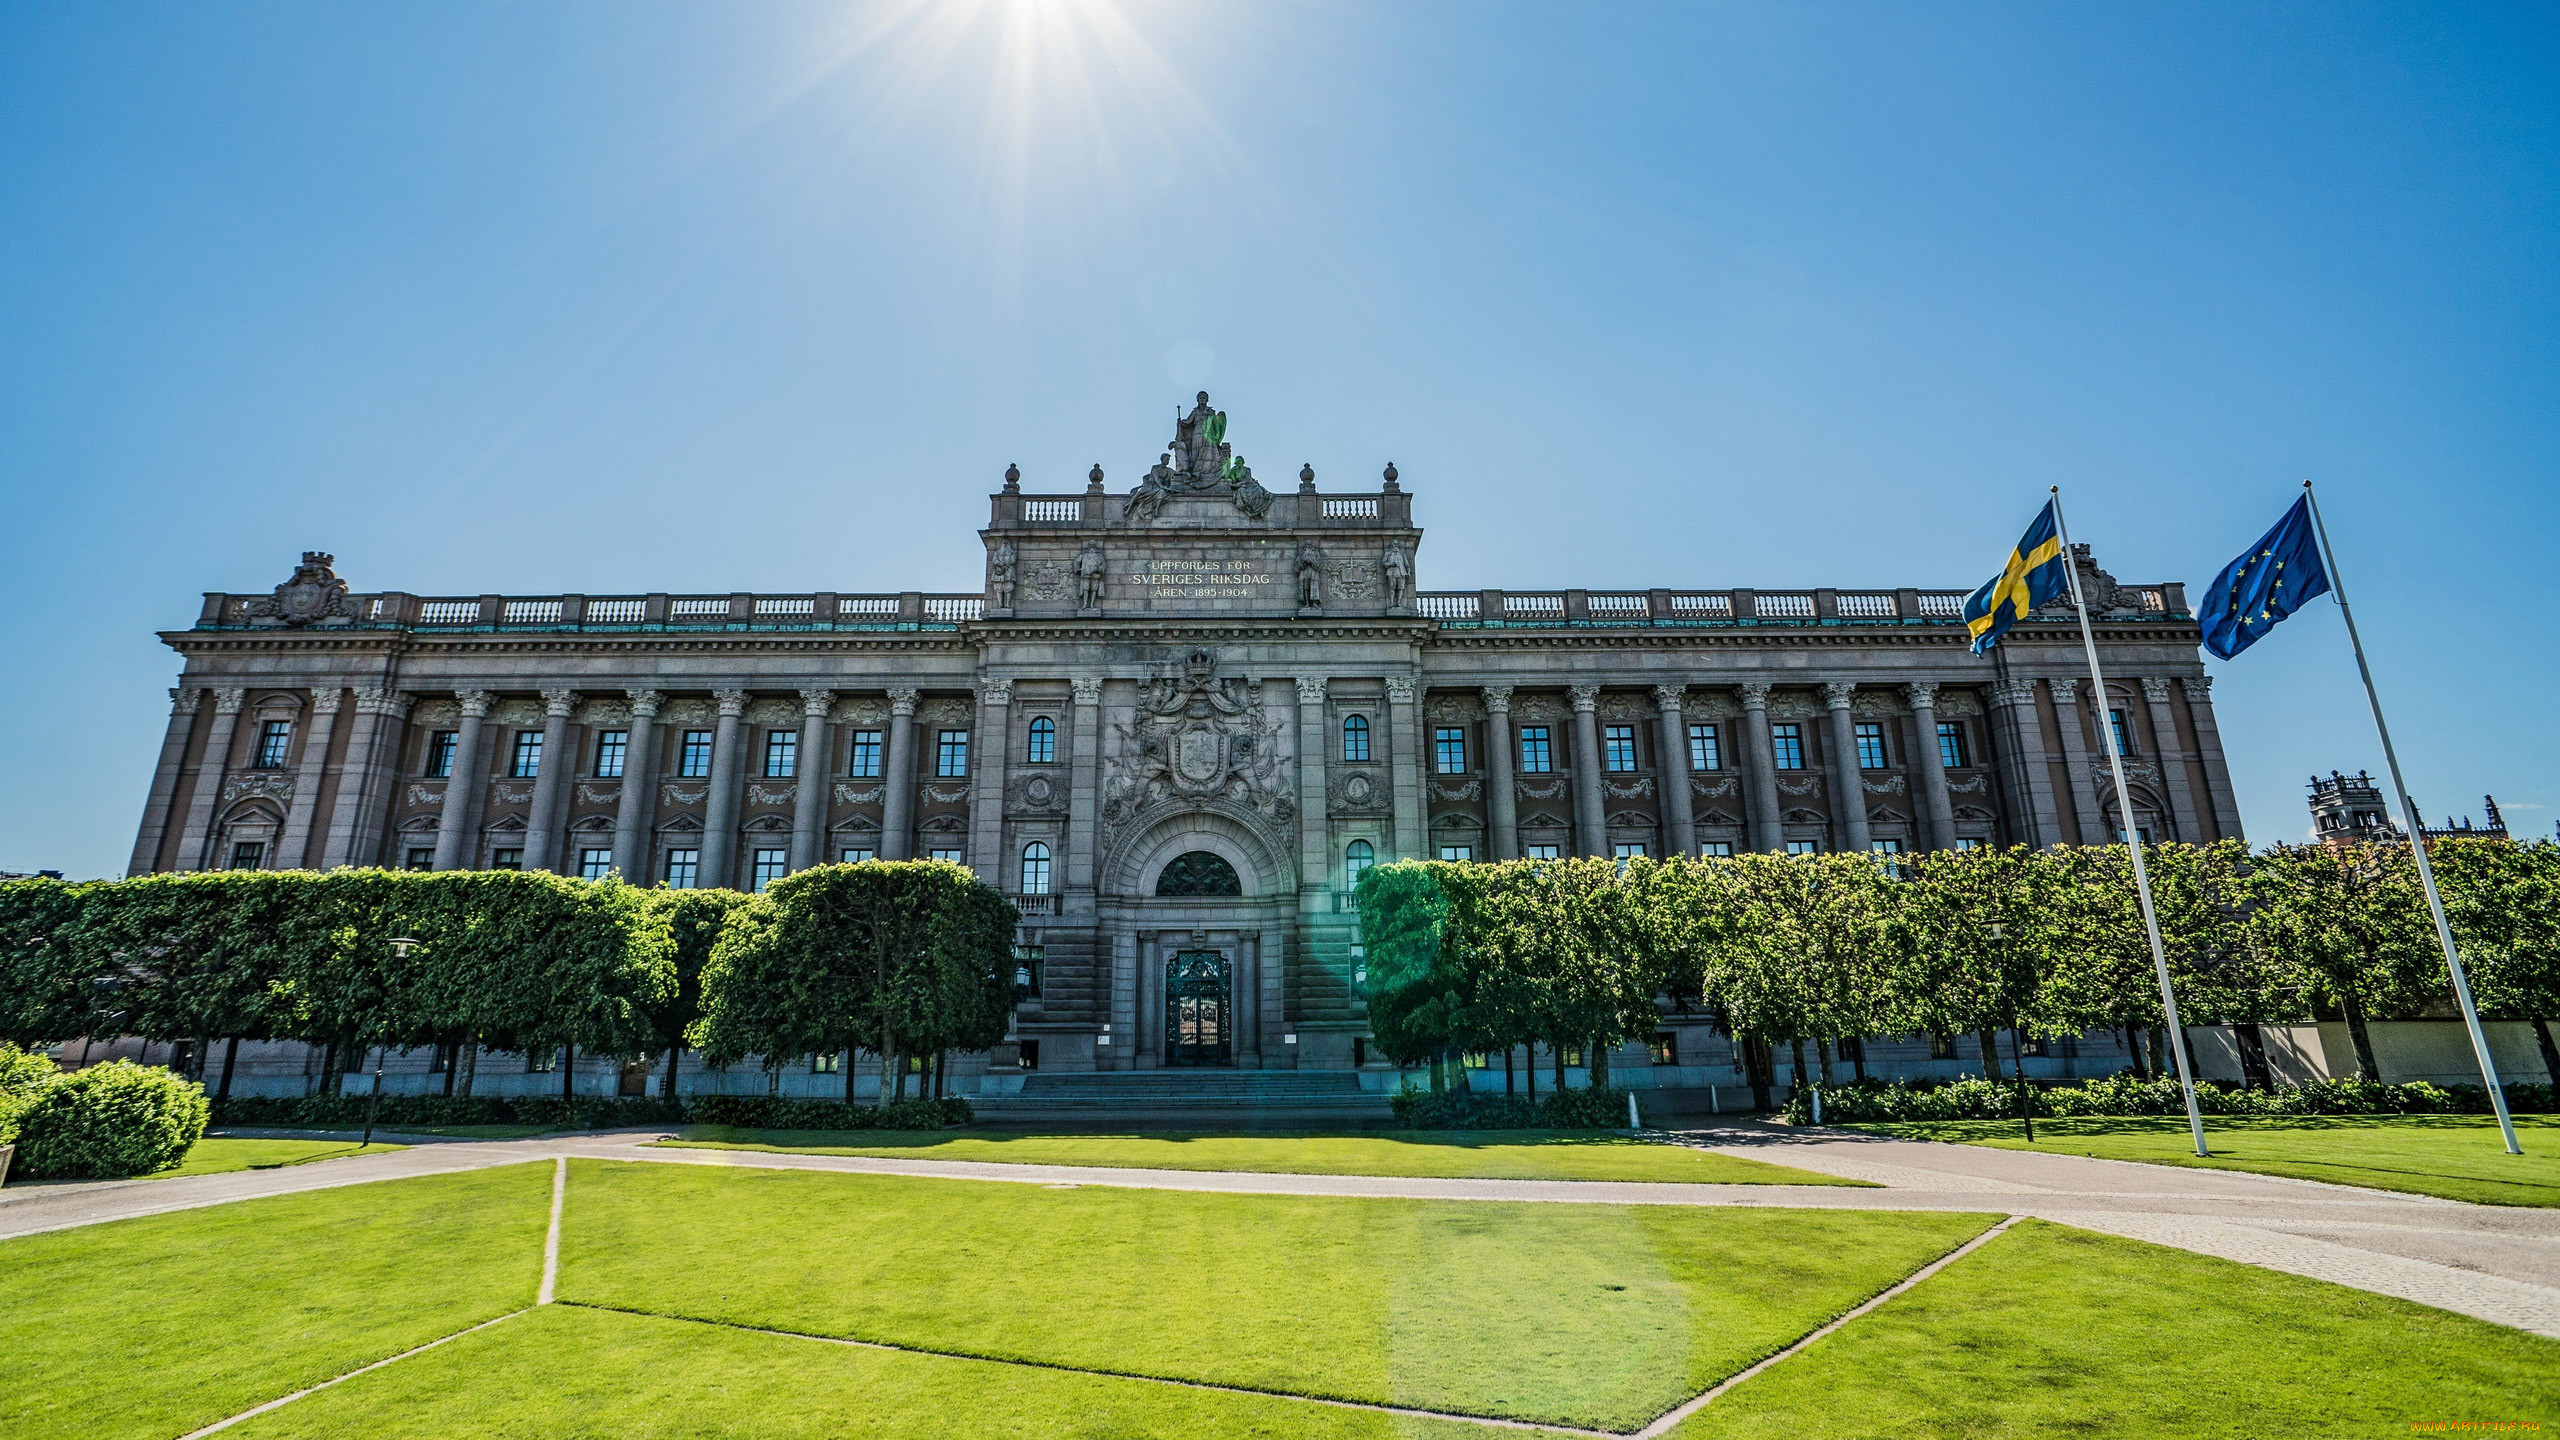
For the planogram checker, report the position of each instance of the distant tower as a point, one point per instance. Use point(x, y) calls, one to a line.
point(2348, 810)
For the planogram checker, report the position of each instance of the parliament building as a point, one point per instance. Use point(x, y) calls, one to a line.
point(1174, 723)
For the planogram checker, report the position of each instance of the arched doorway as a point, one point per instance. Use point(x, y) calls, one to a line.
point(1199, 1009)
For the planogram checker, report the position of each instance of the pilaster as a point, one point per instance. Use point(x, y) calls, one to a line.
point(987, 852)
point(293, 850)
point(363, 808)
point(156, 808)
point(2026, 777)
point(1411, 763)
point(2217, 773)
point(1084, 788)
point(195, 843)
point(2069, 718)
point(2171, 757)
point(1502, 795)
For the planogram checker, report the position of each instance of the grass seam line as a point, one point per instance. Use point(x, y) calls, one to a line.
point(551, 1238)
point(1497, 1422)
point(280, 1402)
point(1663, 1423)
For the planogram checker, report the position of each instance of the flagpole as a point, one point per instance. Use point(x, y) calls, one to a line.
point(2132, 833)
point(2417, 839)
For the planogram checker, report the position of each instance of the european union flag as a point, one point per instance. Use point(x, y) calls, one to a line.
point(2277, 576)
point(2033, 577)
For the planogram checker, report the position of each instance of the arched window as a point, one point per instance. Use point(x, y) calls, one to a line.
point(1356, 859)
point(1199, 872)
point(1042, 747)
point(1355, 737)
point(1035, 869)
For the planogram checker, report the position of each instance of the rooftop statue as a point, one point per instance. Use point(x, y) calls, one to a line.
point(1199, 462)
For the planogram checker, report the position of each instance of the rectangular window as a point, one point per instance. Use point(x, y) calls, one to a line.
point(1716, 849)
point(1537, 751)
point(1951, 745)
point(951, 853)
point(1870, 745)
point(771, 865)
point(854, 855)
point(1546, 852)
point(249, 855)
point(1040, 743)
point(1628, 851)
point(831, 1063)
point(1942, 1047)
point(1476, 1059)
point(440, 755)
point(594, 864)
point(1618, 748)
point(1786, 742)
point(1028, 963)
point(951, 754)
point(611, 748)
point(1885, 847)
point(526, 762)
point(1355, 739)
point(274, 738)
point(506, 859)
point(1027, 1054)
point(421, 857)
point(1457, 852)
point(684, 869)
point(865, 763)
point(2124, 732)
point(781, 755)
point(1705, 753)
point(1666, 1047)
point(1571, 1055)
point(1967, 842)
point(542, 1062)
point(1804, 847)
point(693, 756)
point(1449, 750)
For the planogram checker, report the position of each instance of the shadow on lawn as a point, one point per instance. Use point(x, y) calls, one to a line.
point(1452, 1139)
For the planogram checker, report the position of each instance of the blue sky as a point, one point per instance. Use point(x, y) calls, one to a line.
point(630, 296)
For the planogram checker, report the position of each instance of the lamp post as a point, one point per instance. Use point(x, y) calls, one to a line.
point(401, 945)
point(2017, 1049)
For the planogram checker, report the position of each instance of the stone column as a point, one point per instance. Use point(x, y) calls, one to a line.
point(2025, 773)
point(2171, 757)
point(1084, 790)
point(461, 788)
point(365, 781)
point(2075, 760)
point(898, 775)
point(196, 841)
point(1768, 832)
point(164, 781)
point(1411, 764)
point(293, 852)
point(1590, 814)
point(638, 805)
point(1679, 815)
point(2217, 773)
point(1849, 784)
point(809, 794)
point(728, 773)
point(986, 779)
point(551, 782)
point(1941, 814)
point(1502, 795)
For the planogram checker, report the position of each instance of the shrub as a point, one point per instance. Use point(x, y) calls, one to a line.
point(24, 1075)
point(1978, 1099)
point(1596, 1109)
point(110, 1121)
point(761, 1112)
point(346, 1112)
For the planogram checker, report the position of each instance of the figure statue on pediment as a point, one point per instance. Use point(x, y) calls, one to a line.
point(1310, 577)
point(1398, 564)
point(1000, 575)
point(1251, 498)
point(1150, 495)
point(1091, 566)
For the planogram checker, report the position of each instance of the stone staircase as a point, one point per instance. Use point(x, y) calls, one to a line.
point(1204, 1099)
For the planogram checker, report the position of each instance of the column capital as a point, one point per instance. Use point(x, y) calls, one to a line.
point(733, 703)
point(183, 701)
point(373, 701)
point(996, 692)
point(817, 702)
point(1400, 689)
point(227, 699)
point(903, 702)
point(2199, 685)
point(1311, 689)
point(474, 702)
point(325, 702)
point(1088, 689)
point(1497, 698)
point(1584, 697)
point(1755, 694)
point(558, 703)
point(645, 703)
point(1670, 699)
point(2013, 691)
point(2065, 691)
point(1836, 693)
point(1921, 694)
point(2155, 688)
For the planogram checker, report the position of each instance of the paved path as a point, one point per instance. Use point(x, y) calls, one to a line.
point(2497, 1263)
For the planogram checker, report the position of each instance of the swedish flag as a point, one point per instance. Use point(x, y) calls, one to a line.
point(2271, 579)
point(2033, 577)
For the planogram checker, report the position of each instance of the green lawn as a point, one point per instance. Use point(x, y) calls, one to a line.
point(2458, 1157)
point(149, 1328)
point(567, 1373)
point(1439, 1154)
point(216, 1154)
point(2050, 1331)
point(1587, 1314)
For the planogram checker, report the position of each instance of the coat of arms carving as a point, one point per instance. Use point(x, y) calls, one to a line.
point(314, 596)
point(1196, 737)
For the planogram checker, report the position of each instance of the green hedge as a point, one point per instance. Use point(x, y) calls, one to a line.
point(760, 1112)
point(108, 1122)
point(1979, 1099)
point(24, 1075)
point(347, 1112)
point(1597, 1109)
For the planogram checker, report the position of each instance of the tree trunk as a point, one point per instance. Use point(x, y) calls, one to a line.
point(1757, 1061)
point(1531, 1070)
point(470, 1066)
point(2133, 1047)
point(2354, 1008)
point(1506, 1069)
point(1822, 1055)
point(1857, 1048)
point(675, 1053)
point(2163, 1059)
point(852, 1068)
point(329, 1069)
point(1557, 1049)
point(1599, 1065)
point(1990, 1040)
point(2550, 1055)
point(231, 1057)
point(452, 1067)
point(940, 1058)
point(568, 1072)
point(881, 1100)
point(1795, 1052)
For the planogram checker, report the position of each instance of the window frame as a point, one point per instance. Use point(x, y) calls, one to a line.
point(1873, 752)
point(1618, 750)
point(1786, 745)
point(1458, 854)
point(856, 854)
point(690, 866)
point(443, 746)
point(1448, 745)
point(951, 755)
point(613, 754)
point(1357, 859)
point(1537, 750)
point(524, 756)
point(595, 863)
point(275, 744)
point(1040, 741)
point(1706, 748)
point(862, 756)
point(1355, 740)
point(1035, 882)
point(1953, 753)
point(693, 754)
point(767, 864)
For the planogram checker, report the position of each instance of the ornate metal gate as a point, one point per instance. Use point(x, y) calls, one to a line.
point(1199, 1015)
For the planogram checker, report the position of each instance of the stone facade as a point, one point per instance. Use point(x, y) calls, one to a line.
point(1174, 722)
